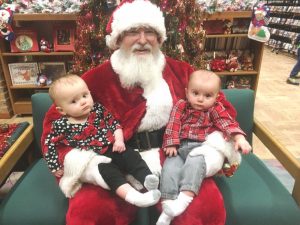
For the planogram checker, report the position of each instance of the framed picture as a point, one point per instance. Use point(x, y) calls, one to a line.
point(25, 40)
point(63, 38)
point(52, 70)
point(23, 73)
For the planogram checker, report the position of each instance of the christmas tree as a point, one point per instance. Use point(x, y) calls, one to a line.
point(90, 45)
point(183, 20)
point(183, 23)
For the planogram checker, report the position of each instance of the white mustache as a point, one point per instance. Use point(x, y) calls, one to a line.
point(141, 48)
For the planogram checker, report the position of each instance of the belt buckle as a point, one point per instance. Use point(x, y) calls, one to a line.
point(139, 143)
point(148, 140)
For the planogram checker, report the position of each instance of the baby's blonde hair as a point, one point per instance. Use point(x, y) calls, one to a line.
point(65, 81)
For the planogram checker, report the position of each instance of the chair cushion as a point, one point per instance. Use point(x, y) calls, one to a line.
point(28, 206)
point(255, 196)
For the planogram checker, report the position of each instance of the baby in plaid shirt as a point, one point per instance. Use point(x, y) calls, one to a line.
point(189, 161)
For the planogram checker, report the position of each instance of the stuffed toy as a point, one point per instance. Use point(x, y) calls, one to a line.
point(45, 45)
point(6, 31)
point(247, 61)
point(260, 19)
point(42, 80)
point(227, 27)
point(230, 84)
point(232, 63)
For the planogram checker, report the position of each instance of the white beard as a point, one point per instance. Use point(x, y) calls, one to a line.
point(136, 70)
point(146, 71)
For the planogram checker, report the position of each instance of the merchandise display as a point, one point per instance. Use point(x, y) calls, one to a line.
point(284, 25)
point(260, 19)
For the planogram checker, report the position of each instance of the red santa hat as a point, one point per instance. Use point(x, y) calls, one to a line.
point(130, 14)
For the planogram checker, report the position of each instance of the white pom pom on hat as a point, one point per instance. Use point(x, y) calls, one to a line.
point(134, 13)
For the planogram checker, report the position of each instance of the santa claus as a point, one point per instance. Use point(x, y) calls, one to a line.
point(139, 85)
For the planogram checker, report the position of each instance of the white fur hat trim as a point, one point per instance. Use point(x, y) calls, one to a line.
point(136, 14)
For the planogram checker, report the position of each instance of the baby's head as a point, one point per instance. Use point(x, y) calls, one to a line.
point(203, 89)
point(71, 96)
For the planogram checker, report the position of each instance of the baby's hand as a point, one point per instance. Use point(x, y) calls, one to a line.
point(119, 146)
point(58, 173)
point(170, 151)
point(240, 142)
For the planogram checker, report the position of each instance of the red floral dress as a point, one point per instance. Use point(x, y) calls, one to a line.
point(96, 134)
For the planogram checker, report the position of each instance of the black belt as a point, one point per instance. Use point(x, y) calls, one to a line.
point(146, 140)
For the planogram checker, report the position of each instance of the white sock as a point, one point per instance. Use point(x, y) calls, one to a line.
point(164, 219)
point(177, 206)
point(142, 199)
point(151, 182)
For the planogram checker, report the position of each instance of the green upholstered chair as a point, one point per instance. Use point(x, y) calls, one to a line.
point(252, 196)
point(36, 198)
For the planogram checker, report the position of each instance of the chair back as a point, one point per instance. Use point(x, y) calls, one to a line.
point(243, 102)
point(41, 102)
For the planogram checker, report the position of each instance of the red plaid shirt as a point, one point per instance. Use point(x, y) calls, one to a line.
point(188, 123)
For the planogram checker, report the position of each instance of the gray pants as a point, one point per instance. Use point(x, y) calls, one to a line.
point(182, 172)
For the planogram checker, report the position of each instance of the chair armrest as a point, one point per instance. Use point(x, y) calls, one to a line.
point(15, 152)
point(282, 154)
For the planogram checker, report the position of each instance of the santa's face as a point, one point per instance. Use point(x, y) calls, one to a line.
point(140, 41)
point(138, 61)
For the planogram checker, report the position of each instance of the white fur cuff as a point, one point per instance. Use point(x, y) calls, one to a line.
point(74, 164)
point(217, 141)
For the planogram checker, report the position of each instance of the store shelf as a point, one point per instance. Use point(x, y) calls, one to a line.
point(229, 15)
point(225, 35)
point(237, 73)
point(43, 17)
point(9, 54)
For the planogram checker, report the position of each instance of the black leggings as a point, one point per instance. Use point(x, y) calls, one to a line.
point(129, 162)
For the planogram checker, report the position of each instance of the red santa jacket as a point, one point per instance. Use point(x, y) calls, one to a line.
point(129, 107)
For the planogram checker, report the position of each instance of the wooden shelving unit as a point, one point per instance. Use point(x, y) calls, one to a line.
point(20, 94)
point(229, 15)
point(254, 46)
point(44, 17)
